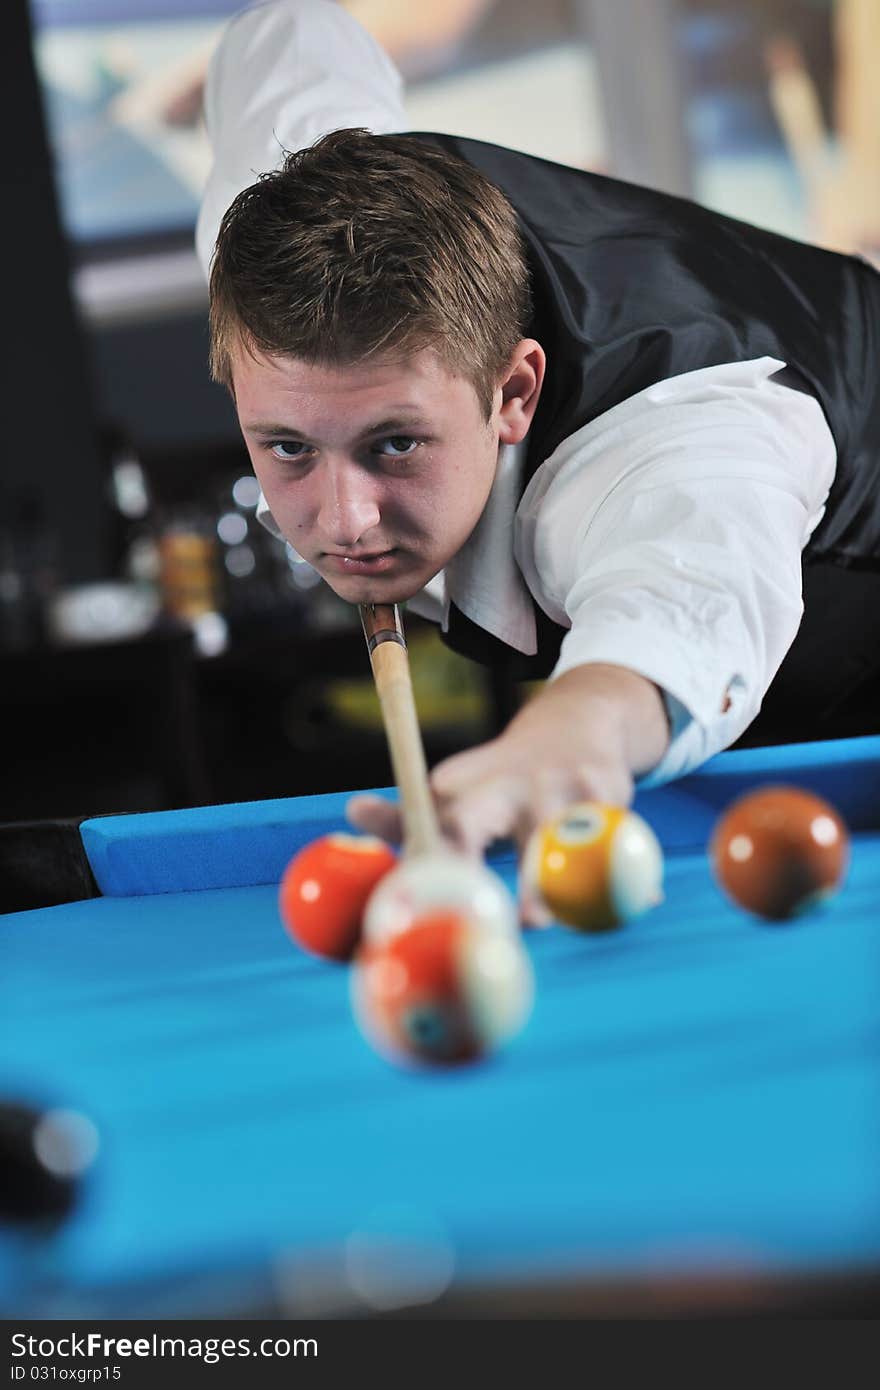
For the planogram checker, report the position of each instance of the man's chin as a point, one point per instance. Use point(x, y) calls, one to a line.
point(372, 588)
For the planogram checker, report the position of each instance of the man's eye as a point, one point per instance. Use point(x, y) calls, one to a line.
point(287, 449)
point(398, 446)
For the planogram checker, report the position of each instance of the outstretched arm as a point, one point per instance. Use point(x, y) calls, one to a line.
point(668, 537)
point(585, 736)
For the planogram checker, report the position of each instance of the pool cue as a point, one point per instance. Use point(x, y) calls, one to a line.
point(383, 630)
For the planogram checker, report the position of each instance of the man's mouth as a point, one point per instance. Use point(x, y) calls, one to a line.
point(345, 562)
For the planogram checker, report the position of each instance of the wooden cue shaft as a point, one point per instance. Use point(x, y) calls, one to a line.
point(386, 644)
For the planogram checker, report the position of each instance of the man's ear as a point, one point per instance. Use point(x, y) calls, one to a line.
point(521, 390)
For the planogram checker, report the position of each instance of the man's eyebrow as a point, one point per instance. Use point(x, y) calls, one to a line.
point(405, 420)
point(270, 430)
point(392, 424)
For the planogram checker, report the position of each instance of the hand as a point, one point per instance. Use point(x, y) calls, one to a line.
point(584, 737)
point(506, 788)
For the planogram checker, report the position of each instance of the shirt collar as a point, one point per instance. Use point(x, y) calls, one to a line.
point(483, 580)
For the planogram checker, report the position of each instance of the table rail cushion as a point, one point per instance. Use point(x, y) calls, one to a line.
point(249, 843)
point(231, 846)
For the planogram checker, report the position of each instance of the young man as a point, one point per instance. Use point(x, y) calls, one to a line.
point(587, 428)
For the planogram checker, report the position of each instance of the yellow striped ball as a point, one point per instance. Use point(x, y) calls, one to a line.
point(594, 867)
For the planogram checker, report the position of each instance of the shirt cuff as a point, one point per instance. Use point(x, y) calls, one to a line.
point(707, 709)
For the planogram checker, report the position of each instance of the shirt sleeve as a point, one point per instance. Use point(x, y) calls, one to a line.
point(667, 536)
point(284, 73)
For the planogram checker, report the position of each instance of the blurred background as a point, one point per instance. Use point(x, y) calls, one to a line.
point(159, 649)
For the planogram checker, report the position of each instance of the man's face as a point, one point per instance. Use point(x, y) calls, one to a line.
point(376, 473)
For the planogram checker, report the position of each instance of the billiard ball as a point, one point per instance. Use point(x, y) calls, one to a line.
point(325, 888)
point(594, 867)
point(437, 881)
point(778, 851)
point(442, 992)
point(44, 1157)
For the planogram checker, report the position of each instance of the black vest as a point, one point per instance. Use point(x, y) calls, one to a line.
point(631, 287)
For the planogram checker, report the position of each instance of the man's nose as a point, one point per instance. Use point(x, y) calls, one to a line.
point(349, 507)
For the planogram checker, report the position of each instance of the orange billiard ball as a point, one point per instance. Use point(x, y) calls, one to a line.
point(325, 888)
point(442, 992)
point(778, 851)
point(595, 866)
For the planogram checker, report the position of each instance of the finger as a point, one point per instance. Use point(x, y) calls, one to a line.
point(484, 812)
point(462, 770)
point(555, 790)
point(532, 910)
point(375, 816)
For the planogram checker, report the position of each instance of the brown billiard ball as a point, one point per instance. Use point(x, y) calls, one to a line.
point(779, 851)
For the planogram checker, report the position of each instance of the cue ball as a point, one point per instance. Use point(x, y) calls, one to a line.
point(439, 881)
point(44, 1157)
point(325, 888)
point(442, 992)
point(595, 866)
point(779, 851)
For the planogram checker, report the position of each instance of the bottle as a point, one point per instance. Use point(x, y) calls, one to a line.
point(189, 577)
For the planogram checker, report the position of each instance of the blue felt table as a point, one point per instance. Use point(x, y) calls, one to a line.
point(695, 1092)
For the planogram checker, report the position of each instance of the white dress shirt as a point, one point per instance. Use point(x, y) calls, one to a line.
point(666, 534)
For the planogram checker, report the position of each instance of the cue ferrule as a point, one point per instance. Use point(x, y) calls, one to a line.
point(381, 623)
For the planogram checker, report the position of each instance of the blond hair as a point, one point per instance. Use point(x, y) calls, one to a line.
point(363, 246)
